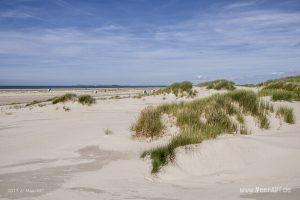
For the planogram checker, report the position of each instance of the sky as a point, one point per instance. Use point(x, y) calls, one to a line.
point(147, 42)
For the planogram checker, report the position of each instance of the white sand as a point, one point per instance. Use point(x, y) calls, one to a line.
point(47, 153)
point(24, 96)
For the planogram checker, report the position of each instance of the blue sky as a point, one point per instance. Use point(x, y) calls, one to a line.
point(147, 42)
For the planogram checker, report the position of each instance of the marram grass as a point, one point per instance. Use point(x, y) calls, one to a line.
point(86, 100)
point(149, 123)
point(83, 99)
point(202, 119)
point(287, 114)
point(64, 98)
point(218, 84)
point(179, 89)
point(286, 89)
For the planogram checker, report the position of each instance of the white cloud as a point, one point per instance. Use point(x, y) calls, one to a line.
point(15, 14)
point(241, 4)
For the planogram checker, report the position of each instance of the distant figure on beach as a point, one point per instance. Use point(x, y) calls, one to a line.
point(145, 92)
point(49, 90)
point(96, 91)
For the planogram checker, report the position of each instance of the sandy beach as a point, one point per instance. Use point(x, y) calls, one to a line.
point(15, 96)
point(149, 100)
point(49, 153)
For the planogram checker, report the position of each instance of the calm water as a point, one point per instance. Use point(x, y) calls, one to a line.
point(79, 86)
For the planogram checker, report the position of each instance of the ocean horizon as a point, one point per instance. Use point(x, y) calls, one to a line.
point(75, 86)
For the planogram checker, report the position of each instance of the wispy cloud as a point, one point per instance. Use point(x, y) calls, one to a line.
point(241, 4)
point(15, 14)
point(65, 4)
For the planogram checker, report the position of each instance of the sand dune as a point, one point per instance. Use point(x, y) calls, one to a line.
point(48, 153)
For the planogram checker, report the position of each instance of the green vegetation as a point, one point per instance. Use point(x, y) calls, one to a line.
point(278, 82)
point(66, 109)
point(108, 131)
point(162, 155)
point(218, 85)
point(287, 114)
point(33, 103)
point(184, 88)
point(139, 96)
point(279, 94)
point(283, 95)
point(282, 89)
point(64, 98)
point(86, 100)
point(180, 87)
point(37, 102)
point(83, 99)
point(201, 119)
point(148, 124)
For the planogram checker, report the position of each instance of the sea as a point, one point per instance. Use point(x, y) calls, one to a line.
point(34, 87)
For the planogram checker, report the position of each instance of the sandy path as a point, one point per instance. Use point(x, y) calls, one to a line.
point(47, 153)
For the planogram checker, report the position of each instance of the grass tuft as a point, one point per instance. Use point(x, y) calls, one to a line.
point(66, 109)
point(148, 124)
point(287, 114)
point(287, 89)
point(244, 130)
point(86, 100)
point(184, 88)
point(64, 98)
point(37, 102)
point(218, 85)
point(162, 155)
point(33, 103)
point(263, 121)
point(108, 131)
point(279, 95)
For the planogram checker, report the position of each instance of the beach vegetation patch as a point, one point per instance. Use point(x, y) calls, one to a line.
point(179, 89)
point(64, 98)
point(33, 103)
point(220, 84)
point(86, 100)
point(286, 114)
point(283, 89)
point(37, 102)
point(66, 109)
point(202, 119)
point(149, 123)
point(108, 132)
